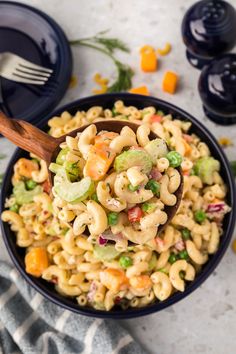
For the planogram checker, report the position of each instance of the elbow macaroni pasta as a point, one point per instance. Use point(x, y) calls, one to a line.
point(105, 250)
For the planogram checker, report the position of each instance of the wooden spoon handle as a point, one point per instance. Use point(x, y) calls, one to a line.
point(28, 137)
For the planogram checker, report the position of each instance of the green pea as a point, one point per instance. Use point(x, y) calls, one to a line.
point(148, 207)
point(185, 234)
point(200, 216)
point(183, 255)
point(15, 208)
point(133, 188)
point(174, 158)
point(173, 258)
point(112, 218)
point(125, 261)
point(30, 184)
point(154, 186)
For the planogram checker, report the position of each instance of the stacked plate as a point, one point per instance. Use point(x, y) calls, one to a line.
point(34, 36)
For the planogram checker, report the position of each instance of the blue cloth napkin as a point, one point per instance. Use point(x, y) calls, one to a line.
point(31, 324)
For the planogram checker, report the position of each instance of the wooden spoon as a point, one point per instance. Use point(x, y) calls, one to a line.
point(46, 147)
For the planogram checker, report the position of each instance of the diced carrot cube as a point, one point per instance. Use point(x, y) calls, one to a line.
point(170, 82)
point(99, 160)
point(141, 90)
point(187, 147)
point(148, 61)
point(36, 261)
point(140, 282)
point(113, 279)
point(105, 138)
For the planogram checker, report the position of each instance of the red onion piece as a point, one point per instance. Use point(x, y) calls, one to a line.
point(102, 241)
point(92, 291)
point(108, 235)
point(180, 245)
point(213, 208)
point(155, 174)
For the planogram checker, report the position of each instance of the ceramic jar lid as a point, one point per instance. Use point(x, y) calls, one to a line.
point(208, 30)
point(217, 89)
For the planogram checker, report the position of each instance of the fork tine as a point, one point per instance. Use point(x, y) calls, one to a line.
point(26, 81)
point(34, 72)
point(29, 76)
point(28, 65)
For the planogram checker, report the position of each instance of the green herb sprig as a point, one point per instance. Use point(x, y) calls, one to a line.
point(108, 46)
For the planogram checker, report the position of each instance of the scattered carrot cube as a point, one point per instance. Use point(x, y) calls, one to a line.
point(148, 61)
point(36, 261)
point(170, 81)
point(141, 90)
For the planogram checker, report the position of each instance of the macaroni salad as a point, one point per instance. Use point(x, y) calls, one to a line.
point(96, 237)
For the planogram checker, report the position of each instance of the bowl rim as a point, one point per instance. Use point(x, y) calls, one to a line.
point(66, 303)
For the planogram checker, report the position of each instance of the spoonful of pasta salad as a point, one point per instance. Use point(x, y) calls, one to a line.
point(123, 176)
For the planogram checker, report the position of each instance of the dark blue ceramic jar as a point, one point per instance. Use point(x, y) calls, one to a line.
point(208, 30)
point(217, 89)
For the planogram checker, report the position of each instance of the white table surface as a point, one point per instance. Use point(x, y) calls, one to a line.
point(205, 322)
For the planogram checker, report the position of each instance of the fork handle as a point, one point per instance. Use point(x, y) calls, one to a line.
point(28, 137)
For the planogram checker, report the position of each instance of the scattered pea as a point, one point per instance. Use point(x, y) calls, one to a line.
point(183, 255)
point(148, 207)
point(173, 258)
point(112, 218)
point(174, 158)
point(185, 234)
point(125, 261)
point(30, 184)
point(154, 186)
point(200, 216)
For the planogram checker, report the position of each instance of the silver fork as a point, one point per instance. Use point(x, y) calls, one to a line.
point(15, 68)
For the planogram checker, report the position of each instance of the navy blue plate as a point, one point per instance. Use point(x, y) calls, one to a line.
point(35, 36)
point(107, 100)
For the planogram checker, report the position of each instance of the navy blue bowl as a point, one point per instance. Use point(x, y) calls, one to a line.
point(107, 100)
